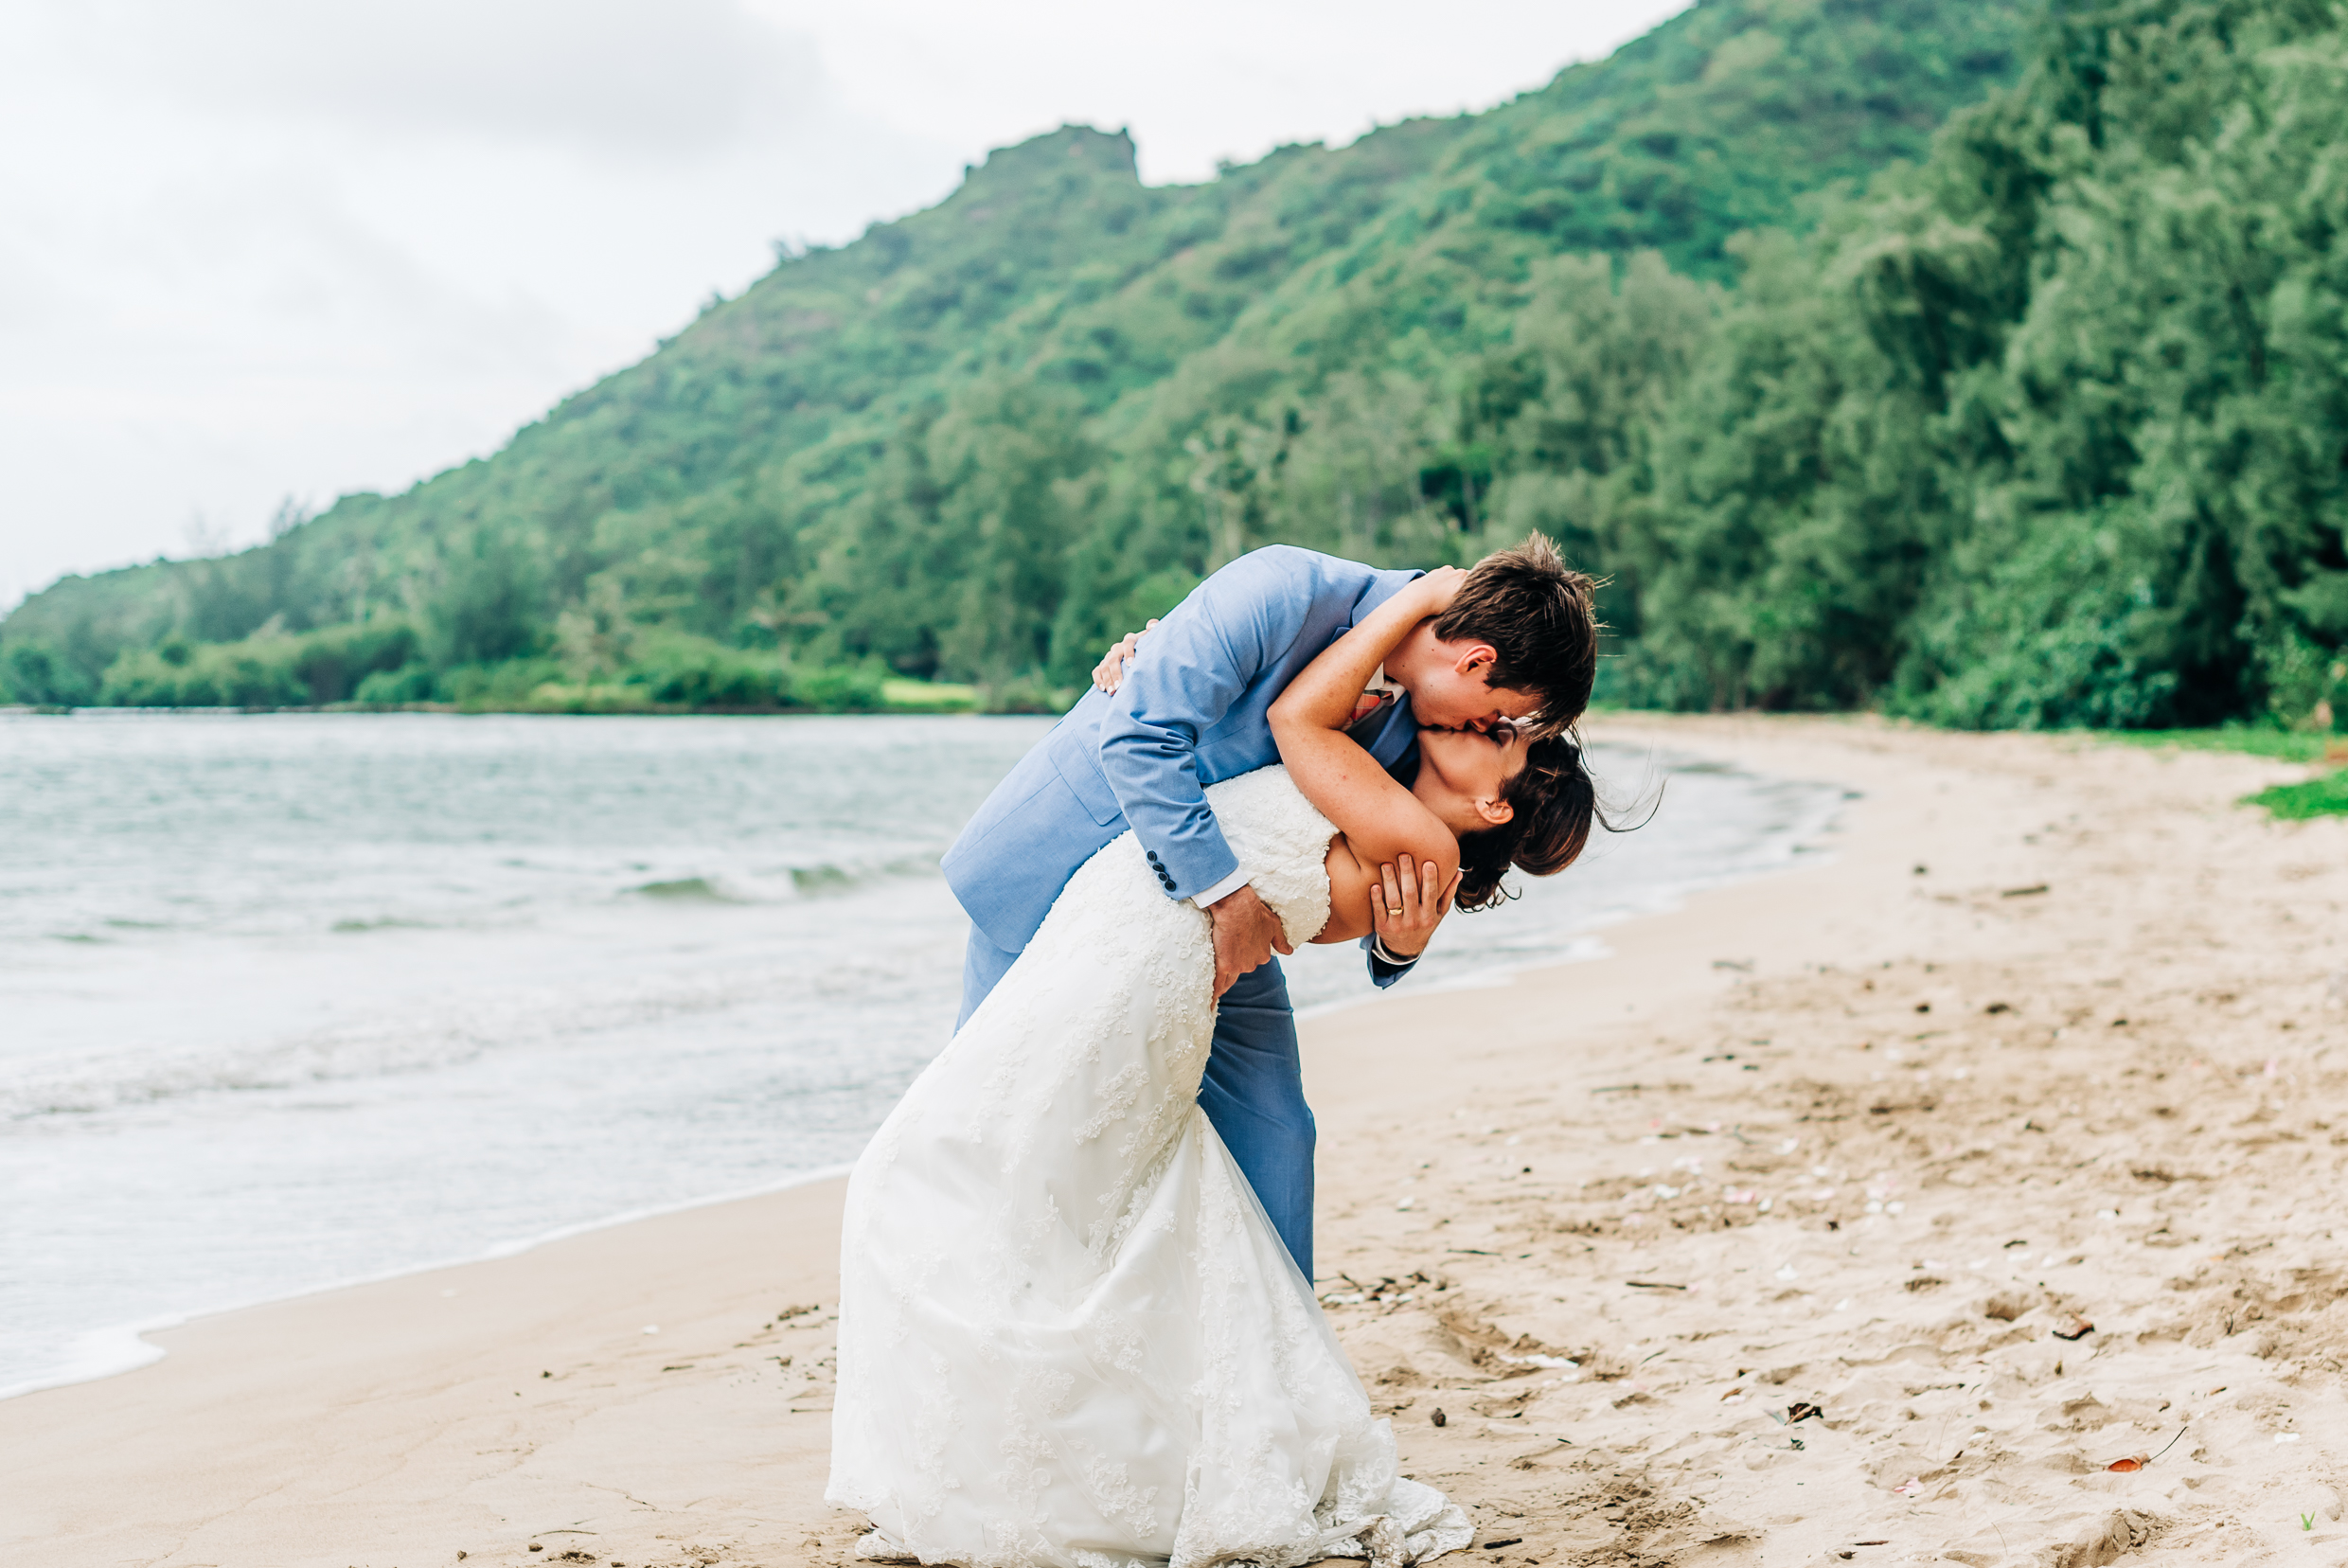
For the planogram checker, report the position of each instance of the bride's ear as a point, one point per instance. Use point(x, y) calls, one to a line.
point(1495, 811)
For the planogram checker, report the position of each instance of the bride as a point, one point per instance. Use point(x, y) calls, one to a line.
point(1069, 1335)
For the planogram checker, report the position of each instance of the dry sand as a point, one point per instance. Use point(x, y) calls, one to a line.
point(2053, 1035)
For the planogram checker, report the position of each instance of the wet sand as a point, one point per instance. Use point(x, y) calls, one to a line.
point(2051, 1036)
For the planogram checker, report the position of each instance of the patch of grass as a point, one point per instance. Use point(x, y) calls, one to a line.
point(905, 696)
point(2325, 797)
point(2283, 745)
point(581, 697)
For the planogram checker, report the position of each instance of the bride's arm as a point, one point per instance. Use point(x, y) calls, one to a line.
point(1382, 821)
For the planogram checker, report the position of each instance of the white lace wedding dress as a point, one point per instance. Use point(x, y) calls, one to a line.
point(1069, 1336)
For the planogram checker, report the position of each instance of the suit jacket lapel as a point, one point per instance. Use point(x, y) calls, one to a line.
point(1395, 731)
point(1388, 739)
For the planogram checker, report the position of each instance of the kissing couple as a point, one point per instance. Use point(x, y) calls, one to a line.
point(1078, 1327)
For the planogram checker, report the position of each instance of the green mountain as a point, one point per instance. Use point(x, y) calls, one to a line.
point(973, 441)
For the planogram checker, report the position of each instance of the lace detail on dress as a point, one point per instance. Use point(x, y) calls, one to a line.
point(1069, 1337)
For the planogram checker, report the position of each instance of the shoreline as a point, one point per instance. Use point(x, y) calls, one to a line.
point(379, 1425)
point(139, 1352)
point(1802, 824)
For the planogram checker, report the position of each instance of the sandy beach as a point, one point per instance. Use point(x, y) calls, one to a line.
point(1866, 1212)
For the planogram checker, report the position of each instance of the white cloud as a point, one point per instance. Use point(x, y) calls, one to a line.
point(271, 247)
point(610, 76)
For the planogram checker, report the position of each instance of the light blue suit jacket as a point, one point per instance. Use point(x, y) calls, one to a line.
point(1192, 712)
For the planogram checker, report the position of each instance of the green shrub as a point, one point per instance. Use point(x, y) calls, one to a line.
point(334, 662)
point(837, 689)
point(501, 688)
point(682, 671)
point(412, 682)
point(32, 671)
point(267, 670)
point(587, 697)
point(260, 672)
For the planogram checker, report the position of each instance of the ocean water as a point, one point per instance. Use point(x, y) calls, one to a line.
point(297, 1000)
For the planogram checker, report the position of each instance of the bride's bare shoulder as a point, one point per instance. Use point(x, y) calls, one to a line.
point(1349, 894)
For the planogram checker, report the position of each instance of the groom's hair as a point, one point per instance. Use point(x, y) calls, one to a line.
point(1540, 617)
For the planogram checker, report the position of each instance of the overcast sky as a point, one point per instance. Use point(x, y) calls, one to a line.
point(259, 249)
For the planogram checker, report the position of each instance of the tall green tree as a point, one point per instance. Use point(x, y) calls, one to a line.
point(2048, 430)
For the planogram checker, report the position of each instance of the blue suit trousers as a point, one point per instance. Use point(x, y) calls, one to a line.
point(1254, 1090)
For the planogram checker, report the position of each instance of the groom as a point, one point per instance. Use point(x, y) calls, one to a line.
point(1518, 642)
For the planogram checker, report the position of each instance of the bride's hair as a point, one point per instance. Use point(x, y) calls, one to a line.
point(1556, 801)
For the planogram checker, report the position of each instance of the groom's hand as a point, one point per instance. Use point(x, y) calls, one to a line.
point(1407, 903)
point(1247, 933)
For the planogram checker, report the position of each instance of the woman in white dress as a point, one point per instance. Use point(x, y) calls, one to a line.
point(1069, 1336)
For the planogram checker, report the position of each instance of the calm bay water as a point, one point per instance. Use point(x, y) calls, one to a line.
point(289, 1000)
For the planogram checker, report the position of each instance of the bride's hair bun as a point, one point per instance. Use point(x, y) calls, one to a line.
point(1556, 801)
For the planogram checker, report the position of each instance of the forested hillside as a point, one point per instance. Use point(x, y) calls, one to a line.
point(2047, 424)
point(971, 441)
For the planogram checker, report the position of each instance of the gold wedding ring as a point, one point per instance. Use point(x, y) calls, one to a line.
point(1393, 912)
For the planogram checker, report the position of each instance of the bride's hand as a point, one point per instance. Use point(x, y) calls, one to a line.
point(1438, 589)
point(1109, 674)
point(1407, 902)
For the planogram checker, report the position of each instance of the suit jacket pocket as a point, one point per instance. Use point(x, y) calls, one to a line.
point(1079, 769)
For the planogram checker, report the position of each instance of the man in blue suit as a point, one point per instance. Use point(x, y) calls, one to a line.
point(1191, 711)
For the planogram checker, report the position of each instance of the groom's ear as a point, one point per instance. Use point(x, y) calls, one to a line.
point(1474, 658)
